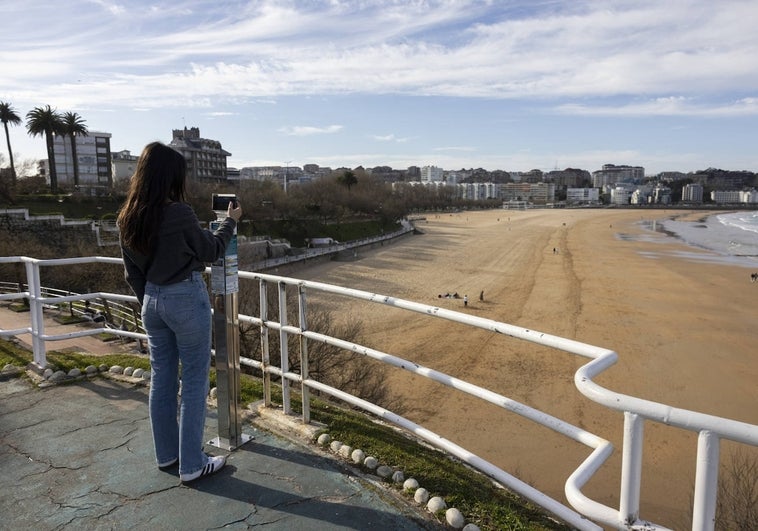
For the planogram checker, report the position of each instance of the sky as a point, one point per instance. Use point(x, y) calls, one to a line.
point(511, 84)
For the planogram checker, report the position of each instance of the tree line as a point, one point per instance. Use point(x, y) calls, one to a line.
point(46, 122)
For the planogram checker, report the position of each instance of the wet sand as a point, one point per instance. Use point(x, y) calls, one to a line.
point(684, 331)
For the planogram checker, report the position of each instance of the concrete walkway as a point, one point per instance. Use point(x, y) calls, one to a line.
point(80, 456)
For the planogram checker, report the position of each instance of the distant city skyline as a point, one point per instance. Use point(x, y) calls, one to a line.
point(512, 85)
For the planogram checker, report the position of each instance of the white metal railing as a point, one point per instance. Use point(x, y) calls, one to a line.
point(585, 513)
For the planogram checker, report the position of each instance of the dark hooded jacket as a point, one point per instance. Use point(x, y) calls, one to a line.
point(182, 247)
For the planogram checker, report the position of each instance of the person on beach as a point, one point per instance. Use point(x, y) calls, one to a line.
point(165, 251)
point(465, 300)
point(481, 296)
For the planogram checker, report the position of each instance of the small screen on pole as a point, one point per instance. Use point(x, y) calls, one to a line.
point(221, 201)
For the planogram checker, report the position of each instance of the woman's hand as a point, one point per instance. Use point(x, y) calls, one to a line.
point(234, 212)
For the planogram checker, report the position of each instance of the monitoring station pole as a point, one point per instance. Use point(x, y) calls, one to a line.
point(224, 295)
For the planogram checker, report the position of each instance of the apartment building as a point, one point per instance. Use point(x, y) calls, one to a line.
point(431, 174)
point(123, 165)
point(93, 154)
point(206, 159)
point(612, 174)
point(692, 193)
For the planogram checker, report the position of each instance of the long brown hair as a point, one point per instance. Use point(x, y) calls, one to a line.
point(159, 179)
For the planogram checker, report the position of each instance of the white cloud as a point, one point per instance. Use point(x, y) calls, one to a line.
point(389, 138)
point(307, 130)
point(196, 52)
point(668, 106)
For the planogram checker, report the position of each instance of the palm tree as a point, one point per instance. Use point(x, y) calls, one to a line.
point(348, 179)
point(73, 126)
point(48, 123)
point(8, 115)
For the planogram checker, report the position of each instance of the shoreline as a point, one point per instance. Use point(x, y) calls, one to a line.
point(663, 314)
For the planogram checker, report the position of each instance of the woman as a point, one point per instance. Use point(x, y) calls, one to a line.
point(165, 251)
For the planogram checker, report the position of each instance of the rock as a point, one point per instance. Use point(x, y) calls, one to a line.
point(370, 462)
point(74, 373)
point(410, 484)
point(398, 476)
point(454, 518)
point(138, 373)
point(324, 439)
point(421, 495)
point(436, 504)
point(358, 456)
point(214, 392)
point(47, 373)
point(57, 376)
point(128, 371)
point(147, 375)
point(345, 451)
point(471, 527)
point(91, 369)
point(335, 446)
point(10, 371)
point(102, 367)
point(117, 369)
point(384, 471)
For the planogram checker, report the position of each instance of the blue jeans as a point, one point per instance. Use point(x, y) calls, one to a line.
point(177, 319)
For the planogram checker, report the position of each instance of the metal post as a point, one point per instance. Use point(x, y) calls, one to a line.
point(35, 312)
point(224, 292)
point(631, 468)
point(265, 359)
point(304, 390)
point(706, 481)
point(284, 348)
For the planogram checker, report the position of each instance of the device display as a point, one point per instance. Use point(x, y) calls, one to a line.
point(221, 201)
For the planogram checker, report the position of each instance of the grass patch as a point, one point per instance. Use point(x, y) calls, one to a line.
point(472, 493)
point(67, 319)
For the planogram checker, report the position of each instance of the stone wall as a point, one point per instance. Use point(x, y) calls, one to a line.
point(54, 232)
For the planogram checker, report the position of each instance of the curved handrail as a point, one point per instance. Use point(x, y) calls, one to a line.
point(710, 428)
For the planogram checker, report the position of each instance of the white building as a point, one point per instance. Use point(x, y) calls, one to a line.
point(432, 174)
point(582, 195)
point(93, 154)
point(692, 193)
point(622, 195)
point(726, 196)
point(536, 193)
point(123, 165)
point(734, 196)
point(479, 191)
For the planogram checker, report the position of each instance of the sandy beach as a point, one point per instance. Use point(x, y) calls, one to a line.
point(685, 332)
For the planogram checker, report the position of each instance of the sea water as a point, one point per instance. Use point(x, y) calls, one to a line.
point(728, 238)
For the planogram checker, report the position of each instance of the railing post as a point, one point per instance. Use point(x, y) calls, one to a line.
point(304, 390)
point(706, 481)
point(631, 468)
point(35, 313)
point(265, 360)
point(283, 348)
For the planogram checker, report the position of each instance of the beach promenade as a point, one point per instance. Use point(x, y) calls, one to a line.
point(80, 456)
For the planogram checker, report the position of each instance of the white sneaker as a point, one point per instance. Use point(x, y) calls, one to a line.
point(213, 465)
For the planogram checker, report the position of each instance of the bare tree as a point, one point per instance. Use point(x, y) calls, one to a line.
point(347, 371)
point(737, 508)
